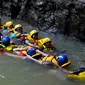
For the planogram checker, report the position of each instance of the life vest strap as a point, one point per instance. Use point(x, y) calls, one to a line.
point(37, 56)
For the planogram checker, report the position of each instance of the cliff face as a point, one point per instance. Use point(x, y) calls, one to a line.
point(63, 16)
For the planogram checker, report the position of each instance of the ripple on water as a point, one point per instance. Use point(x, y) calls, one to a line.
point(19, 73)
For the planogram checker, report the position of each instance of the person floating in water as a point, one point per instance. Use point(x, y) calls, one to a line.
point(60, 61)
point(78, 73)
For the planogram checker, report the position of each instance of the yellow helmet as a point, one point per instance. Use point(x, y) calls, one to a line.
point(45, 40)
point(33, 32)
point(8, 24)
point(17, 26)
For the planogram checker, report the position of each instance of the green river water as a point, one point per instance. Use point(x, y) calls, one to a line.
point(15, 71)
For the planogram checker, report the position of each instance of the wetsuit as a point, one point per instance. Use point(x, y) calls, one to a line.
point(79, 70)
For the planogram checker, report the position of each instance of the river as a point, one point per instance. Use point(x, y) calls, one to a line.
point(18, 72)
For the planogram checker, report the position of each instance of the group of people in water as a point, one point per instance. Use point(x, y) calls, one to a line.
point(31, 45)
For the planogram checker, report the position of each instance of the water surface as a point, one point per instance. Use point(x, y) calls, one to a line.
point(18, 72)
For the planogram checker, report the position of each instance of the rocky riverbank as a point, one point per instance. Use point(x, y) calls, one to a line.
point(57, 16)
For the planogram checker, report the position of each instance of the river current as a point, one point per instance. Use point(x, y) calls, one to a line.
point(15, 71)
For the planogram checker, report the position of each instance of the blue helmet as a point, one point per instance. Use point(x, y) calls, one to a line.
point(62, 59)
point(5, 31)
point(12, 35)
point(31, 51)
point(5, 40)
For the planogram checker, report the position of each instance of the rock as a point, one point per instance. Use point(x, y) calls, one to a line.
point(58, 16)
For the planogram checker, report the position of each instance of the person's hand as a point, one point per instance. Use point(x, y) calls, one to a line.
point(36, 47)
point(69, 72)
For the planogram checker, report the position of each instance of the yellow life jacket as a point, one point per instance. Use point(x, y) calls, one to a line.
point(14, 31)
point(30, 38)
point(24, 51)
point(17, 33)
point(21, 46)
point(10, 28)
point(47, 49)
point(28, 47)
point(41, 45)
point(37, 56)
point(9, 48)
point(81, 76)
point(1, 45)
point(50, 59)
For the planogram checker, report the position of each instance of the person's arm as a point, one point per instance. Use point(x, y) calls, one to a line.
point(27, 42)
point(44, 54)
point(66, 71)
point(24, 35)
point(16, 50)
point(56, 63)
point(30, 57)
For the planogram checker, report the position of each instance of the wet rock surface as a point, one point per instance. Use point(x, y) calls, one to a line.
point(57, 16)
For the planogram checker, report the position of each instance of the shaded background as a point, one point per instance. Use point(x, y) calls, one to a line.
point(58, 16)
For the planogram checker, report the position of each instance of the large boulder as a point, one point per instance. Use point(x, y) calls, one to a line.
point(57, 16)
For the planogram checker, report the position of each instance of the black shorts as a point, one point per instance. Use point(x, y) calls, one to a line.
point(79, 70)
